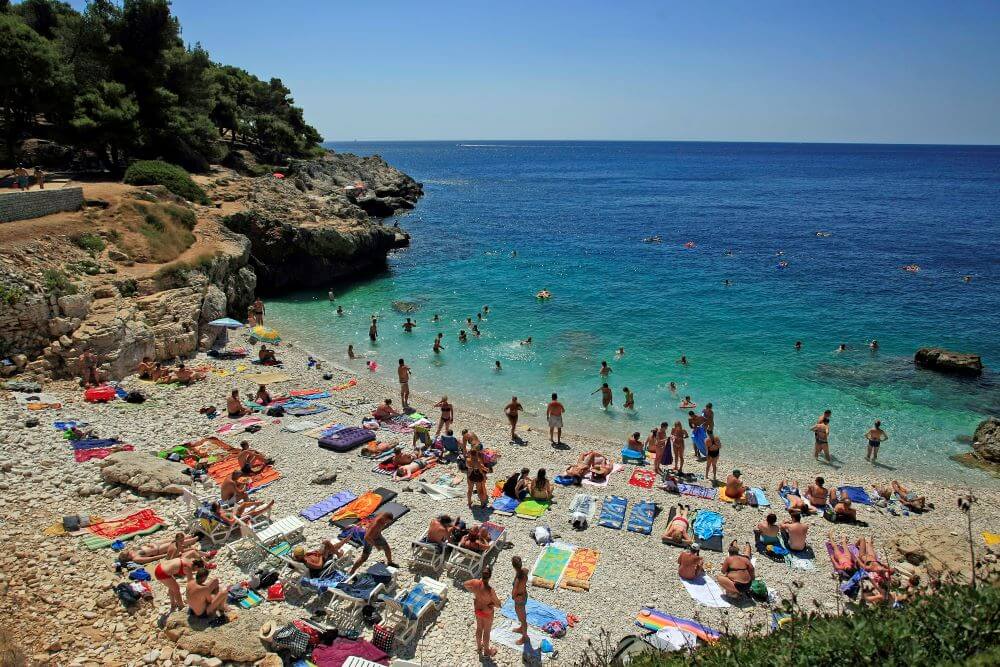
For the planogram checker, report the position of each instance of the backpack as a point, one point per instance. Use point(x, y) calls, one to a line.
point(135, 397)
point(758, 590)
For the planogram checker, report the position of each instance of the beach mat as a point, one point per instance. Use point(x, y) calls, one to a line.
point(505, 505)
point(550, 565)
point(589, 480)
point(532, 509)
point(102, 534)
point(584, 503)
point(656, 620)
point(759, 497)
point(613, 512)
point(642, 478)
point(706, 592)
point(856, 494)
point(696, 491)
point(580, 570)
point(365, 505)
point(504, 635)
point(328, 505)
point(221, 470)
point(537, 613)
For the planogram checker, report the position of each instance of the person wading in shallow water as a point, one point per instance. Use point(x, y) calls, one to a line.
point(373, 330)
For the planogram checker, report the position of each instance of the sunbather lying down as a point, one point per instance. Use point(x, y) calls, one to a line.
point(866, 558)
point(795, 500)
point(317, 559)
point(409, 470)
point(477, 539)
point(677, 529)
point(593, 463)
point(180, 545)
point(909, 498)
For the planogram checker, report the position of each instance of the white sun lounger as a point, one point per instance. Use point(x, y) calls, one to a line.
point(470, 563)
point(407, 625)
point(427, 555)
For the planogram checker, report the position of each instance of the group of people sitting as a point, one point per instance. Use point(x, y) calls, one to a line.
point(591, 465)
point(155, 371)
point(521, 485)
point(444, 530)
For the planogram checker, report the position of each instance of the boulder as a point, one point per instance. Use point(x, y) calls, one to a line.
point(144, 473)
point(236, 641)
point(986, 440)
point(936, 550)
point(946, 361)
point(405, 307)
point(75, 305)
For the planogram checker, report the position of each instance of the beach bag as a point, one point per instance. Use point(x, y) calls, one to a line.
point(555, 629)
point(267, 579)
point(758, 590)
point(276, 593)
point(289, 638)
point(126, 594)
point(830, 515)
point(382, 638)
point(542, 535)
point(135, 397)
point(276, 411)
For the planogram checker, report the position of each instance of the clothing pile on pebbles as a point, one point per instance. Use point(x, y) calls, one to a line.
point(57, 599)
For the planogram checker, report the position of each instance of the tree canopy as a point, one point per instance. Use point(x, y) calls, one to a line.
point(118, 80)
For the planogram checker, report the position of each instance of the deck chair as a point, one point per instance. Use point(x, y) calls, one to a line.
point(470, 563)
point(255, 535)
point(351, 595)
point(409, 608)
point(427, 555)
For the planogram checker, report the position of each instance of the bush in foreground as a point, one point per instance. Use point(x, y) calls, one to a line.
point(170, 176)
point(958, 625)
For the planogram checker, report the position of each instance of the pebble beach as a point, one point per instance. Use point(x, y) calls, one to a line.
point(68, 615)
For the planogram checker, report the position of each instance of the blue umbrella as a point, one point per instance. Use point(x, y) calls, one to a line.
point(227, 322)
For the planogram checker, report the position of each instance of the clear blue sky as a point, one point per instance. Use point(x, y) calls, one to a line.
point(883, 71)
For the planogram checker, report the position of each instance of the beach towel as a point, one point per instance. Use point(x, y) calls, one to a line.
point(343, 649)
point(505, 505)
point(444, 491)
point(221, 470)
point(759, 497)
point(656, 620)
point(84, 455)
point(302, 393)
point(632, 456)
point(240, 425)
point(589, 480)
point(366, 505)
point(504, 635)
point(102, 534)
point(95, 443)
point(347, 385)
point(642, 478)
point(580, 569)
point(531, 508)
point(584, 503)
point(416, 599)
point(705, 591)
point(991, 538)
point(641, 517)
point(537, 613)
point(326, 583)
point(672, 542)
point(395, 509)
point(327, 505)
point(856, 494)
point(696, 491)
point(613, 512)
point(829, 552)
point(306, 410)
point(673, 639)
point(298, 425)
point(707, 524)
point(698, 437)
point(268, 378)
point(550, 565)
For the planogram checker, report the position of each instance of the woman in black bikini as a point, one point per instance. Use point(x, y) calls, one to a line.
point(712, 448)
point(476, 474)
point(737, 572)
point(447, 415)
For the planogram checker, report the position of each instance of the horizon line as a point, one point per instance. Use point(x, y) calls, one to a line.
point(668, 141)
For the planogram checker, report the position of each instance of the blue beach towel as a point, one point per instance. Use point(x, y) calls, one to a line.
point(505, 504)
point(327, 505)
point(326, 583)
point(762, 500)
point(707, 523)
point(613, 512)
point(537, 613)
point(95, 443)
point(317, 395)
point(856, 494)
point(564, 480)
point(698, 436)
point(632, 456)
point(416, 599)
point(641, 518)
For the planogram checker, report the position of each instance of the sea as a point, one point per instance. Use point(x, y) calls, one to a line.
point(759, 246)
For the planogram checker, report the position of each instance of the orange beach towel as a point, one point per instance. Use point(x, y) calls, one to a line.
point(220, 470)
point(136, 522)
point(580, 569)
point(359, 508)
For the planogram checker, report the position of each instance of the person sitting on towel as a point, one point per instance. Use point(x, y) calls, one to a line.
point(690, 564)
point(450, 444)
point(540, 487)
point(735, 488)
point(516, 486)
point(385, 411)
point(235, 407)
point(476, 540)
point(145, 369)
point(251, 461)
point(844, 510)
point(263, 396)
point(768, 530)
point(266, 356)
point(795, 531)
point(737, 572)
point(317, 559)
point(818, 494)
point(677, 529)
point(635, 443)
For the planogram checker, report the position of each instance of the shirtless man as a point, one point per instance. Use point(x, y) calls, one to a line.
point(476, 540)
point(607, 398)
point(690, 564)
point(795, 531)
point(735, 488)
point(234, 407)
point(233, 489)
point(817, 494)
point(413, 468)
point(145, 368)
point(629, 398)
point(554, 415)
point(437, 344)
point(875, 437)
point(404, 373)
point(605, 370)
point(401, 458)
point(844, 510)
point(821, 432)
point(251, 461)
point(373, 330)
point(408, 325)
point(439, 531)
point(511, 410)
point(374, 540)
point(88, 369)
point(485, 604)
point(737, 571)
point(206, 598)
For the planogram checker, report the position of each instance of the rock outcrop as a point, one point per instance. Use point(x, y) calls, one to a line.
point(322, 221)
point(236, 641)
point(946, 361)
point(986, 441)
point(145, 474)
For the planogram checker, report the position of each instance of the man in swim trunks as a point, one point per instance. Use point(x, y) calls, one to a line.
point(677, 529)
point(234, 407)
point(554, 415)
point(258, 311)
point(485, 603)
point(875, 437)
point(709, 416)
point(233, 489)
point(404, 373)
point(385, 411)
point(408, 325)
point(690, 564)
point(373, 330)
point(413, 468)
point(511, 410)
point(607, 398)
point(844, 510)
point(206, 598)
point(737, 571)
point(629, 398)
point(374, 540)
point(822, 439)
point(439, 531)
point(251, 461)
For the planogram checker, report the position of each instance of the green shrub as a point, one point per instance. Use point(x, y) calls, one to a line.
point(170, 176)
point(127, 287)
point(957, 625)
point(10, 294)
point(92, 243)
point(57, 283)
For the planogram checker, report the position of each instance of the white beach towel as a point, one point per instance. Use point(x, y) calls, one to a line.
point(438, 492)
point(503, 634)
point(589, 482)
point(673, 639)
point(584, 503)
point(705, 591)
point(801, 563)
point(298, 425)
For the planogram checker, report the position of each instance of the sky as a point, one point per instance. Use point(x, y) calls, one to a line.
point(836, 71)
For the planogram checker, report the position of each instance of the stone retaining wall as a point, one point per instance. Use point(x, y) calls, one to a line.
point(36, 203)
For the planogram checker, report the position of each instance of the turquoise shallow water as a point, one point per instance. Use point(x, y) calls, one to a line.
point(576, 214)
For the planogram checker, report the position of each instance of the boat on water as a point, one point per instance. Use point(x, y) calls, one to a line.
point(653, 239)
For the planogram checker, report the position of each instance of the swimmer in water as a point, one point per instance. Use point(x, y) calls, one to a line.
point(873, 346)
point(329, 295)
point(513, 253)
point(966, 279)
point(526, 341)
point(462, 336)
point(779, 253)
point(683, 361)
point(486, 310)
point(373, 330)
point(629, 398)
point(350, 352)
point(673, 387)
point(727, 282)
point(605, 369)
point(408, 325)
point(479, 317)
point(340, 310)
point(688, 403)
point(842, 347)
point(468, 321)
point(436, 318)
point(798, 345)
point(607, 398)
point(497, 366)
point(729, 252)
point(437, 344)
point(475, 331)
point(620, 353)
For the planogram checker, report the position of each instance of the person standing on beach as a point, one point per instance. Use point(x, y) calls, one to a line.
point(511, 410)
point(519, 593)
point(554, 415)
point(447, 415)
point(88, 369)
point(475, 468)
point(258, 311)
point(677, 436)
point(404, 382)
point(821, 433)
point(485, 603)
point(875, 436)
point(607, 398)
point(39, 178)
point(709, 416)
point(713, 447)
point(373, 330)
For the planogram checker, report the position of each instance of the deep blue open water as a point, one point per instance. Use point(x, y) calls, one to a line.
point(577, 214)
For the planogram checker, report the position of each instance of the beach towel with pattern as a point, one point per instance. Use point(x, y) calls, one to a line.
point(222, 470)
point(537, 613)
point(589, 478)
point(613, 512)
point(696, 491)
point(102, 534)
point(656, 620)
point(239, 426)
point(84, 455)
point(584, 503)
point(641, 517)
point(327, 505)
point(416, 599)
point(642, 478)
point(580, 570)
point(550, 565)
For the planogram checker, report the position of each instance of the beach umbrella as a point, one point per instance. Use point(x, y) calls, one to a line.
point(226, 323)
point(264, 334)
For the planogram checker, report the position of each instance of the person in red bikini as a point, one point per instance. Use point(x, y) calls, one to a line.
point(485, 603)
point(677, 530)
point(166, 572)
